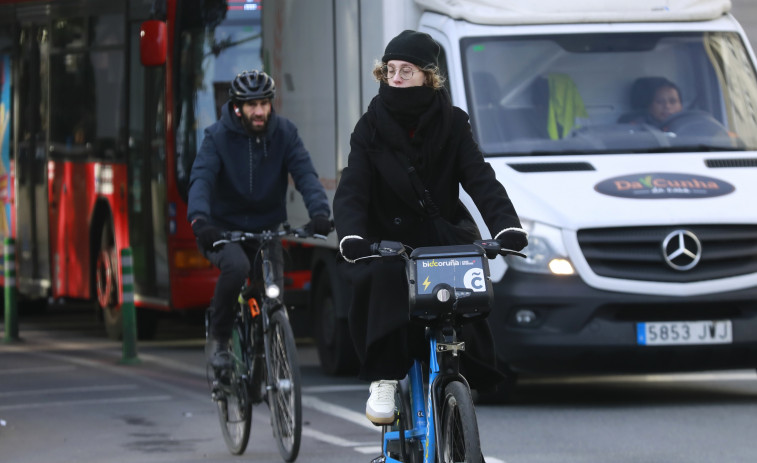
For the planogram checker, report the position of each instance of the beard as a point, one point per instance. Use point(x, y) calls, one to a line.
point(248, 125)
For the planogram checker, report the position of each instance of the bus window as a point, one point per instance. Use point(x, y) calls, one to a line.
point(86, 87)
point(213, 50)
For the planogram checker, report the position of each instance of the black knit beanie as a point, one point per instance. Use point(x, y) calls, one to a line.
point(414, 47)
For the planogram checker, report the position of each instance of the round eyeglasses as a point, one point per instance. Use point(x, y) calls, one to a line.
point(406, 72)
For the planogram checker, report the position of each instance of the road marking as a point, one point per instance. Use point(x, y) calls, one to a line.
point(70, 390)
point(335, 388)
point(339, 412)
point(747, 375)
point(176, 365)
point(329, 438)
point(26, 371)
point(64, 403)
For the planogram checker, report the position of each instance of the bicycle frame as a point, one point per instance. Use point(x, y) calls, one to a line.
point(443, 310)
point(424, 402)
point(264, 354)
point(269, 302)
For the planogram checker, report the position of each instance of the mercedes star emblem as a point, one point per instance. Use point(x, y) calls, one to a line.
point(682, 250)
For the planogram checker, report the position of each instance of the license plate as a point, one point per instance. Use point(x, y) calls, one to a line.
point(675, 333)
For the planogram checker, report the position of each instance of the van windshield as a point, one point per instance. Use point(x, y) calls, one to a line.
point(611, 93)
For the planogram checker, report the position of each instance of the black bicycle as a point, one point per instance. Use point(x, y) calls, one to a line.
point(265, 365)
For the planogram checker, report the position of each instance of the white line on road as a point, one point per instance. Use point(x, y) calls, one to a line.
point(330, 438)
point(70, 390)
point(369, 450)
point(335, 388)
point(338, 411)
point(63, 403)
point(739, 375)
point(25, 371)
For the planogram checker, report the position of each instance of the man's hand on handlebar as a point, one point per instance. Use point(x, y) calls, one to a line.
point(319, 225)
point(207, 234)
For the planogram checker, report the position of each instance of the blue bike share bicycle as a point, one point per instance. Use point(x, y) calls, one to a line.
point(435, 420)
point(265, 367)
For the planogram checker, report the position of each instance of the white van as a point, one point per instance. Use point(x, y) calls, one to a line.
point(643, 233)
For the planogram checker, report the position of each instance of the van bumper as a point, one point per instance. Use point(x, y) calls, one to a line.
point(581, 329)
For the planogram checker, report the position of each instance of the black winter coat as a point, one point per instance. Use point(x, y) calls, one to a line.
point(239, 181)
point(376, 201)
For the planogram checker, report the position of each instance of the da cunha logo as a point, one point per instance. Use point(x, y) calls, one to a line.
point(664, 185)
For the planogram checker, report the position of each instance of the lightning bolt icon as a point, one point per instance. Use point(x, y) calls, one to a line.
point(425, 284)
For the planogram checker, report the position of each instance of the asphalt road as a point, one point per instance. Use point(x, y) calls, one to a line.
point(66, 397)
point(67, 394)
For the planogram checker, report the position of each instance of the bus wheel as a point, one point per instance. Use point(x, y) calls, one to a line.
point(335, 350)
point(106, 281)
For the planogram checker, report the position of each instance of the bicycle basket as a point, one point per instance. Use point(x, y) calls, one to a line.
point(449, 282)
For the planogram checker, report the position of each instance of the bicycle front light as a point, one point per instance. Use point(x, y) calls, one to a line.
point(545, 251)
point(272, 291)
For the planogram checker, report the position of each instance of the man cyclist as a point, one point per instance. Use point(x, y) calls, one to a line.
point(239, 182)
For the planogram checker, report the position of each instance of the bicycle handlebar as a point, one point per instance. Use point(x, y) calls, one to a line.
point(395, 248)
point(266, 235)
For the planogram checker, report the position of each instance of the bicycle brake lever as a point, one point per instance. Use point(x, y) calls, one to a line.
point(220, 242)
point(510, 252)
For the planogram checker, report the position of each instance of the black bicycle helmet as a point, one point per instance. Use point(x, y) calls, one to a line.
point(252, 85)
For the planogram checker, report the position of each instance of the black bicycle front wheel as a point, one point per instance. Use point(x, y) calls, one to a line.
point(459, 433)
point(234, 405)
point(285, 395)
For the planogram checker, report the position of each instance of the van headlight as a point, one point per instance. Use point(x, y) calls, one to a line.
point(545, 251)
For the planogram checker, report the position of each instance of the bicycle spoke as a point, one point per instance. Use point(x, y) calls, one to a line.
point(284, 397)
point(233, 402)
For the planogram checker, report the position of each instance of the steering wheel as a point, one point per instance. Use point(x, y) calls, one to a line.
point(695, 123)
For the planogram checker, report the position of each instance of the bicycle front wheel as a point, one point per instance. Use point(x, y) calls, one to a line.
point(234, 406)
point(284, 397)
point(459, 433)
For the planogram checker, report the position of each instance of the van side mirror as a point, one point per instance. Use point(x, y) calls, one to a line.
point(153, 43)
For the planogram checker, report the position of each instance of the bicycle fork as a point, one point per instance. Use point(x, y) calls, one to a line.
point(425, 408)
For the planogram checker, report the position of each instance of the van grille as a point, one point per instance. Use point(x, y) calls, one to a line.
point(636, 253)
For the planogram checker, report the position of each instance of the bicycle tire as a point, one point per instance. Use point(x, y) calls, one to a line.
point(459, 427)
point(235, 408)
point(285, 397)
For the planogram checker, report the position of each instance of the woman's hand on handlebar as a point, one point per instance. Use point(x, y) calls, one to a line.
point(513, 239)
point(356, 248)
point(493, 248)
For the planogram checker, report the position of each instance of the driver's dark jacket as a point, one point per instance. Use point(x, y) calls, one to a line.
point(239, 181)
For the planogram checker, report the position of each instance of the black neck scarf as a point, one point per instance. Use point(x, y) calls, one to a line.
point(425, 112)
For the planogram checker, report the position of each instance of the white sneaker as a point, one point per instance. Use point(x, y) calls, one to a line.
point(380, 406)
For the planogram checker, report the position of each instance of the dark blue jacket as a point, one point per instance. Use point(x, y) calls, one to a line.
point(239, 181)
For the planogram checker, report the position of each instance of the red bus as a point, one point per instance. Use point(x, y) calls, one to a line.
point(99, 146)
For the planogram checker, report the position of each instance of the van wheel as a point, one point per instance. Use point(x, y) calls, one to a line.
point(106, 282)
point(335, 350)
